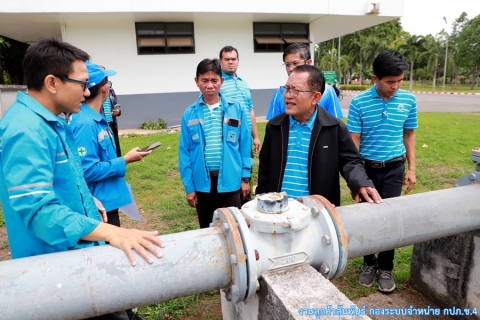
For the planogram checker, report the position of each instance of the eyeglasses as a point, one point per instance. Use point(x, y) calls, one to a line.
point(294, 92)
point(294, 63)
point(84, 83)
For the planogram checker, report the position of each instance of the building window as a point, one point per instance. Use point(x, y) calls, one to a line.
point(165, 37)
point(275, 37)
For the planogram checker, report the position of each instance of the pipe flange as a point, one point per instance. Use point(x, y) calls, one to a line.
point(225, 220)
point(468, 179)
point(333, 246)
point(249, 250)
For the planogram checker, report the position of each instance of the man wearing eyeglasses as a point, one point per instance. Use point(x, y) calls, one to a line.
point(306, 148)
point(295, 55)
point(45, 200)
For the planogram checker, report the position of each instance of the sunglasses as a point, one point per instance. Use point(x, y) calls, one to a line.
point(84, 83)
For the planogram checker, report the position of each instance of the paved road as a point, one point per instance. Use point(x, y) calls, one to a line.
point(435, 103)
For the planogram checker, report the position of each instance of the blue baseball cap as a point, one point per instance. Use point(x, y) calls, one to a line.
point(96, 73)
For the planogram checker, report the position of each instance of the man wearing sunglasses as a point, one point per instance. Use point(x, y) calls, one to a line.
point(306, 148)
point(298, 54)
point(45, 200)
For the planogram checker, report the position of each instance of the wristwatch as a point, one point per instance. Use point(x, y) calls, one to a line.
point(246, 180)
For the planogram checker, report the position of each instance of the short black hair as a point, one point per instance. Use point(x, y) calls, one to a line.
point(95, 90)
point(316, 80)
point(389, 63)
point(301, 48)
point(228, 49)
point(47, 56)
point(209, 65)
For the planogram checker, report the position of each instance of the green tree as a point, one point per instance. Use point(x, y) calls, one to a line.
point(345, 68)
point(371, 48)
point(11, 60)
point(4, 45)
point(412, 49)
point(469, 48)
point(433, 49)
point(356, 57)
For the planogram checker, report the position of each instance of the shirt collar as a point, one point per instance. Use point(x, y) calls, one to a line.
point(310, 123)
point(36, 107)
point(203, 103)
point(227, 76)
point(375, 94)
point(91, 113)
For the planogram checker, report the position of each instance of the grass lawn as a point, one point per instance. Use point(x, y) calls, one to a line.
point(444, 142)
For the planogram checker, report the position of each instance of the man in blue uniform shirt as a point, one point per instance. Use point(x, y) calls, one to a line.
point(298, 54)
point(104, 171)
point(382, 123)
point(215, 146)
point(46, 202)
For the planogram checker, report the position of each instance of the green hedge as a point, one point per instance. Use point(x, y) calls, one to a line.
point(360, 87)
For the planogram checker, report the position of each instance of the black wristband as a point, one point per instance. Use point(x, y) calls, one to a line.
point(246, 180)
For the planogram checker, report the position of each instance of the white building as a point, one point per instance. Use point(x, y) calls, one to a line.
point(155, 46)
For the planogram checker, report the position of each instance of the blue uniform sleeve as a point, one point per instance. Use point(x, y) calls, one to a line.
point(329, 102)
point(354, 121)
point(245, 145)
point(250, 101)
point(29, 181)
point(184, 159)
point(277, 106)
point(94, 167)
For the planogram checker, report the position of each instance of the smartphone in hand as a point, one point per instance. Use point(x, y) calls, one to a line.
point(152, 146)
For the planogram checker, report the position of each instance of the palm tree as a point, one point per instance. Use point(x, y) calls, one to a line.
point(345, 68)
point(412, 49)
point(356, 58)
point(433, 50)
point(371, 48)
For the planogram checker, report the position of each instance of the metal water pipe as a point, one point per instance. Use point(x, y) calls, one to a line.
point(89, 282)
point(240, 245)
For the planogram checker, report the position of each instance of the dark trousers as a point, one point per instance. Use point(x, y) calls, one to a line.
point(249, 195)
point(113, 217)
point(114, 126)
point(208, 202)
point(389, 182)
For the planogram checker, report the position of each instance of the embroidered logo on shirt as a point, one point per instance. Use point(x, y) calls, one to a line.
point(231, 136)
point(82, 151)
point(401, 107)
point(195, 136)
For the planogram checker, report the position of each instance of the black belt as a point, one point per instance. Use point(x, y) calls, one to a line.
point(213, 173)
point(383, 164)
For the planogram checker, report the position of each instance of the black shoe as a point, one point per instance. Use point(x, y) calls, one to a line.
point(132, 315)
